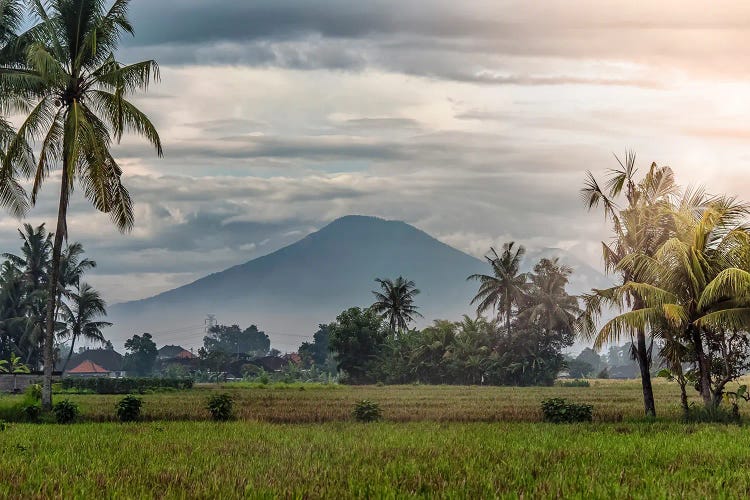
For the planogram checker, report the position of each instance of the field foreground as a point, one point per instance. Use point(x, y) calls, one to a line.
point(467, 460)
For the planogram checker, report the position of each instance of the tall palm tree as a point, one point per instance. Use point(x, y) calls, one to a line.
point(76, 92)
point(695, 284)
point(547, 303)
point(505, 288)
point(34, 261)
point(640, 226)
point(81, 317)
point(395, 302)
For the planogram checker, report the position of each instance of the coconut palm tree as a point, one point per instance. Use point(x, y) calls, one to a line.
point(547, 303)
point(506, 287)
point(395, 302)
point(74, 94)
point(696, 284)
point(81, 317)
point(34, 261)
point(14, 367)
point(640, 226)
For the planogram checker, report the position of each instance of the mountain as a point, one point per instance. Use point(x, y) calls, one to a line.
point(289, 292)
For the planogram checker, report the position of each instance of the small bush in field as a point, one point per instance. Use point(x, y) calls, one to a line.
point(129, 409)
point(66, 412)
point(31, 412)
point(220, 407)
point(34, 392)
point(574, 383)
point(558, 411)
point(367, 411)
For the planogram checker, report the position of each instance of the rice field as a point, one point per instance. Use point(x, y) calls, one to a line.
point(299, 441)
point(385, 460)
point(613, 401)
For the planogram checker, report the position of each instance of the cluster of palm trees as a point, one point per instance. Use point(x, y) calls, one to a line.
point(62, 78)
point(682, 258)
point(533, 319)
point(23, 298)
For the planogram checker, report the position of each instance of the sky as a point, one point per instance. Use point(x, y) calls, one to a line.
point(474, 121)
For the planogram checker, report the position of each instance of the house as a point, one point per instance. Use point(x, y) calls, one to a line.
point(107, 359)
point(88, 368)
point(174, 352)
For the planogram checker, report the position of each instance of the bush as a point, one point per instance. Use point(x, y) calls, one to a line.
point(574, 383)
point(713, 414)
point(558, 411)
point(102, 385)
point(34, 392)
point(32, 412)
point(129, 409)
point(220, 407)
point(367, 411)
point(66, 412)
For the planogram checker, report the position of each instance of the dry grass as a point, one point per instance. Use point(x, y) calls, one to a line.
point(613, 401)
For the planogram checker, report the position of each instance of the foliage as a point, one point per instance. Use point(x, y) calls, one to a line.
point(578, 368)
point(711, 414)
point(367, 411)
point(395, 302)
point(129, 409)
point(574, 383)
point(231, 341)
point(220, 407)
point(32, 412)
point(356, 338)
point(65, 411)
point(559, 411)
point(106, 385)
point(316, 352)
point(141, 355)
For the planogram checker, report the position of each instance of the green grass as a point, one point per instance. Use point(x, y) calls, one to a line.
point(300, 441)
point(339, 460)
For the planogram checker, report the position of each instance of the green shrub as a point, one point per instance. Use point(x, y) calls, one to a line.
point(34, 392)
point(66, 412)
point(574, 383)
point(367, 411)
point(713, 414)
point(220, 407)
point(558, 411)
point(129, 385)
point(129, 409)
point(31, 413)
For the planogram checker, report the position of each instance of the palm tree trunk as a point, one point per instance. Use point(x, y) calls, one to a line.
point(49, 334)
point(704, 367)
point(643, 363)
point(70, 354)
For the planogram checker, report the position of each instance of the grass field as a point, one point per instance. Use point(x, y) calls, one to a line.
point(300, 442)
point(387, 460)
point(613, 401)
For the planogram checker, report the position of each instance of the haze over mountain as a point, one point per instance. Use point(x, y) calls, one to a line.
point(290, 291)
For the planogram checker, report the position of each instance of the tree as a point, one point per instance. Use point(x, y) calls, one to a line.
point(505, 287)
point(590, 356)
point(579, 369)
point(546, 302)
point(81, 317)
point(356, 338)
point(694, 292)
point(15, 366)
point(232, 341)
point(639, 227)
point(141, 355)
point(316, 352)
point(64, 70)
point(396, 302)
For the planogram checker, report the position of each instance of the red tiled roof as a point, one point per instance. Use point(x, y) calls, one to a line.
point(185, 354)
point(88, 367)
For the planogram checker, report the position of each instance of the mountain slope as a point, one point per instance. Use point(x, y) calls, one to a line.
point(289, 292)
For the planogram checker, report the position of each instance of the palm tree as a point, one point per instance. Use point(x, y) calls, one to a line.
point(694, 289)
point(81, 317)
point(639, 227)
point(505, 288)
point(34, 261)
point(14, 367)
point(76, 90)
point(396, 302)
point(547, 303)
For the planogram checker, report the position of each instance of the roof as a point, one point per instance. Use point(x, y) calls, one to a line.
point(88, 367)
point(175, 351)
point(108, 359)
